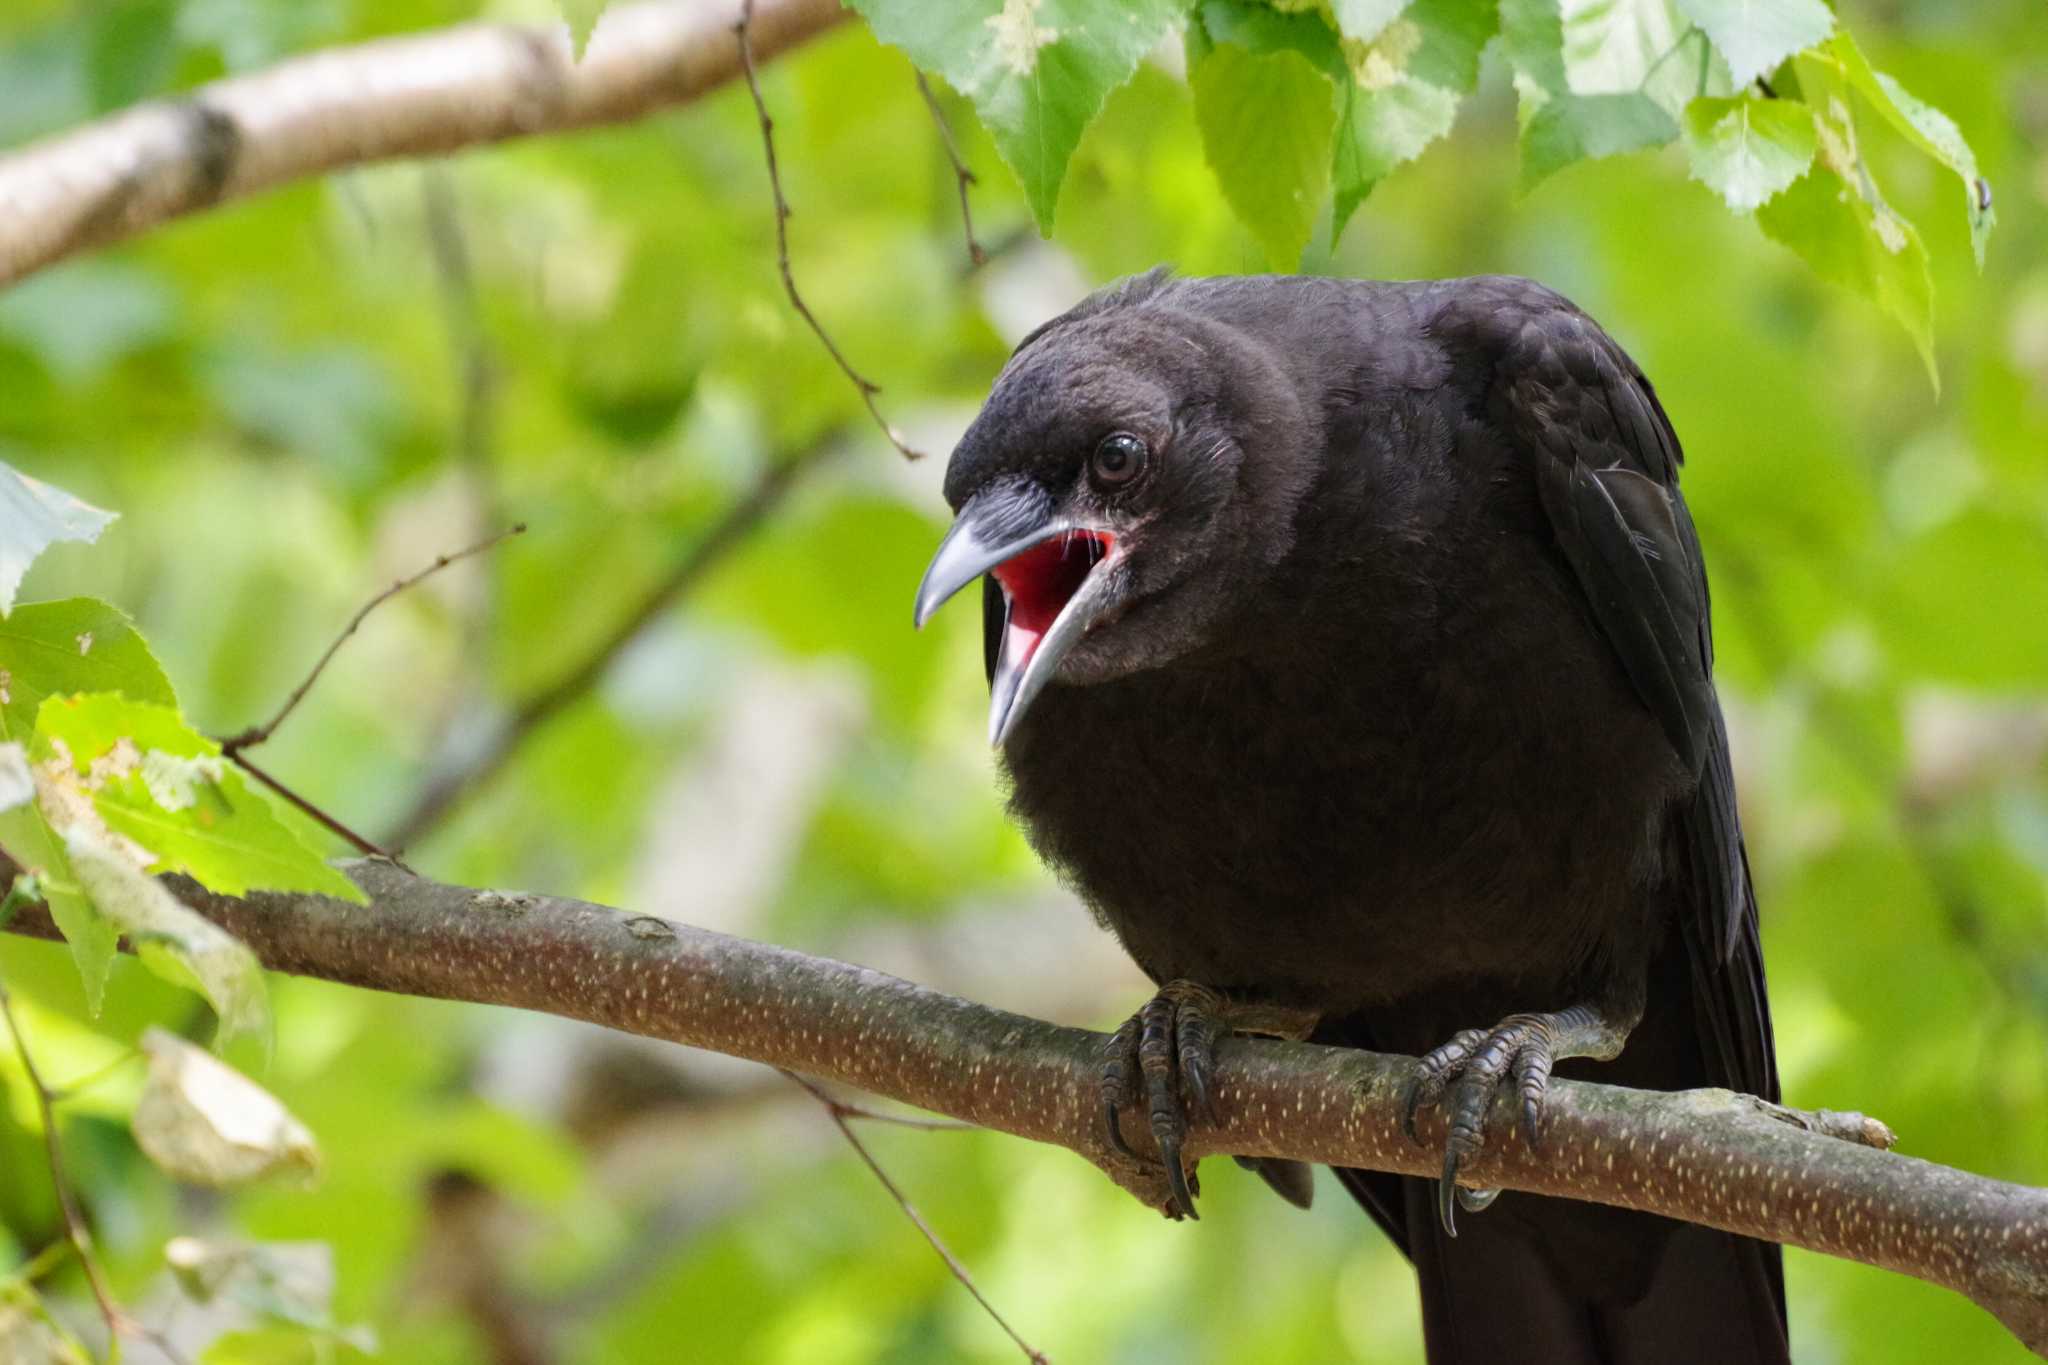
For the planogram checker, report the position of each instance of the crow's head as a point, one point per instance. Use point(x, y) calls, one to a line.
point(1126, 486)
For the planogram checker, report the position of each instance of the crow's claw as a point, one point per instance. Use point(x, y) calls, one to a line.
point(1464, 1073)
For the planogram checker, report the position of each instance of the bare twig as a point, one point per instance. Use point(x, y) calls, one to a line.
point(257, 734)
point(119, 1322)
point(420, 95)
point(447, 788)
point(866, 387)
point(320, 816)
point(962, 177)
point(1705, 1156)
point(840, 1114)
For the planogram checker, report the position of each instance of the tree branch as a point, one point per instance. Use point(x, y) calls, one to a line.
point(1706, 1156)
point(400, 97)
point(455, 780)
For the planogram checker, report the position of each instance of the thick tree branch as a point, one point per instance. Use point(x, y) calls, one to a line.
point(1706, 1156)
point(401, 97)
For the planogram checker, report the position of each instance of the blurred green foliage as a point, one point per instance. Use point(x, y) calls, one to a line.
point(295, 400)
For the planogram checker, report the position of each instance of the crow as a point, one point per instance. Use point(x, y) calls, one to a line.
point(1349, 653)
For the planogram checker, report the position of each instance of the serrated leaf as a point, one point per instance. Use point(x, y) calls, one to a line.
point(1747, 150)
point(1927, 128)
point(28, 839)
point(33, 517)
point(1259, 28)
point(171, 939)
point(1404, 93)
point(1859, 244)
point(162, 786)
point(1267, 122)
point(1362, 20)
point(1570, 128)
point(204, 1122)
point(79, 644)
point(1532, 39)
point(1630, 47)
point(1755, 36)
point(1037, 71)
point(581, 16)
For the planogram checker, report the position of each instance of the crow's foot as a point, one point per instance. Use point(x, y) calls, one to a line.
point(1167, 1053)
point(1464, 1073)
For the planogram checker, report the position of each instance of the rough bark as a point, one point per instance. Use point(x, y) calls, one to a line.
point(400, 97)
point(1810, 1180)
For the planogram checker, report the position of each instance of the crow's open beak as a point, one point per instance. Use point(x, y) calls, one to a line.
point(1057, 578)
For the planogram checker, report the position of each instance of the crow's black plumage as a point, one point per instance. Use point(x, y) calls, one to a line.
point(1350, 655)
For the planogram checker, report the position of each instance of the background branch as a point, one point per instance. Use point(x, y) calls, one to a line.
point(455, 780)
point(1706, 1156)
point(403, 97)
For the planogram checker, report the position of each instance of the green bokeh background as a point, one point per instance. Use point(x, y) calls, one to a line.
point(273, 396)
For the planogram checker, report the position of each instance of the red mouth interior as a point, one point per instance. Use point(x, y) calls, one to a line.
point(1041, 581)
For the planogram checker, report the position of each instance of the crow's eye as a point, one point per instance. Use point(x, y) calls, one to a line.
point(1118, 459)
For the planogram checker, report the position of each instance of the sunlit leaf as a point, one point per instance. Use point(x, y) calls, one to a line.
point(1747, 150)
point(33, 517)
point(171, 939)
point(27, 838)
point(1926, 127)
point(203, 1122)
point(1755, 36)
point(1861, 245)
point(1266, 124)
point(1404, 93)
point(164, 787)
point(1363, 20)
point(76, 645)
point(1036, 70)
point(1627, 47)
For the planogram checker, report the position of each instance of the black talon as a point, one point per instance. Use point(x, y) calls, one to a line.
point(1447, 1192)
point(1177, 1178)
point(1116, 1131)
point(1476, 1201)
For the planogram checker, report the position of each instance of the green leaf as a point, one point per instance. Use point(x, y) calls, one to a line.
point(1747, 150)
point(1404, 92)
point(1363, 20)
point(1755, 36)
point(28, 839)
point(76, 645)
point(33, 517)
point(1036, 70)
point(1860, 243)
point(1570, 128)
point(157, 782)
point(1927, 128)
point(582, 16)
point(1532, 38)
point(1260, 29)
point(1627, 47)
point(204, 1122)
point(172, 940)
point(1267, 125)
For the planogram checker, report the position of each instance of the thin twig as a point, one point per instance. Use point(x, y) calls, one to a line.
point(119, 1323)
point(326, 820)
point(840, 1114)
point(255, 735)
point(962, 177)
point(448, 788)
point(865, 386)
